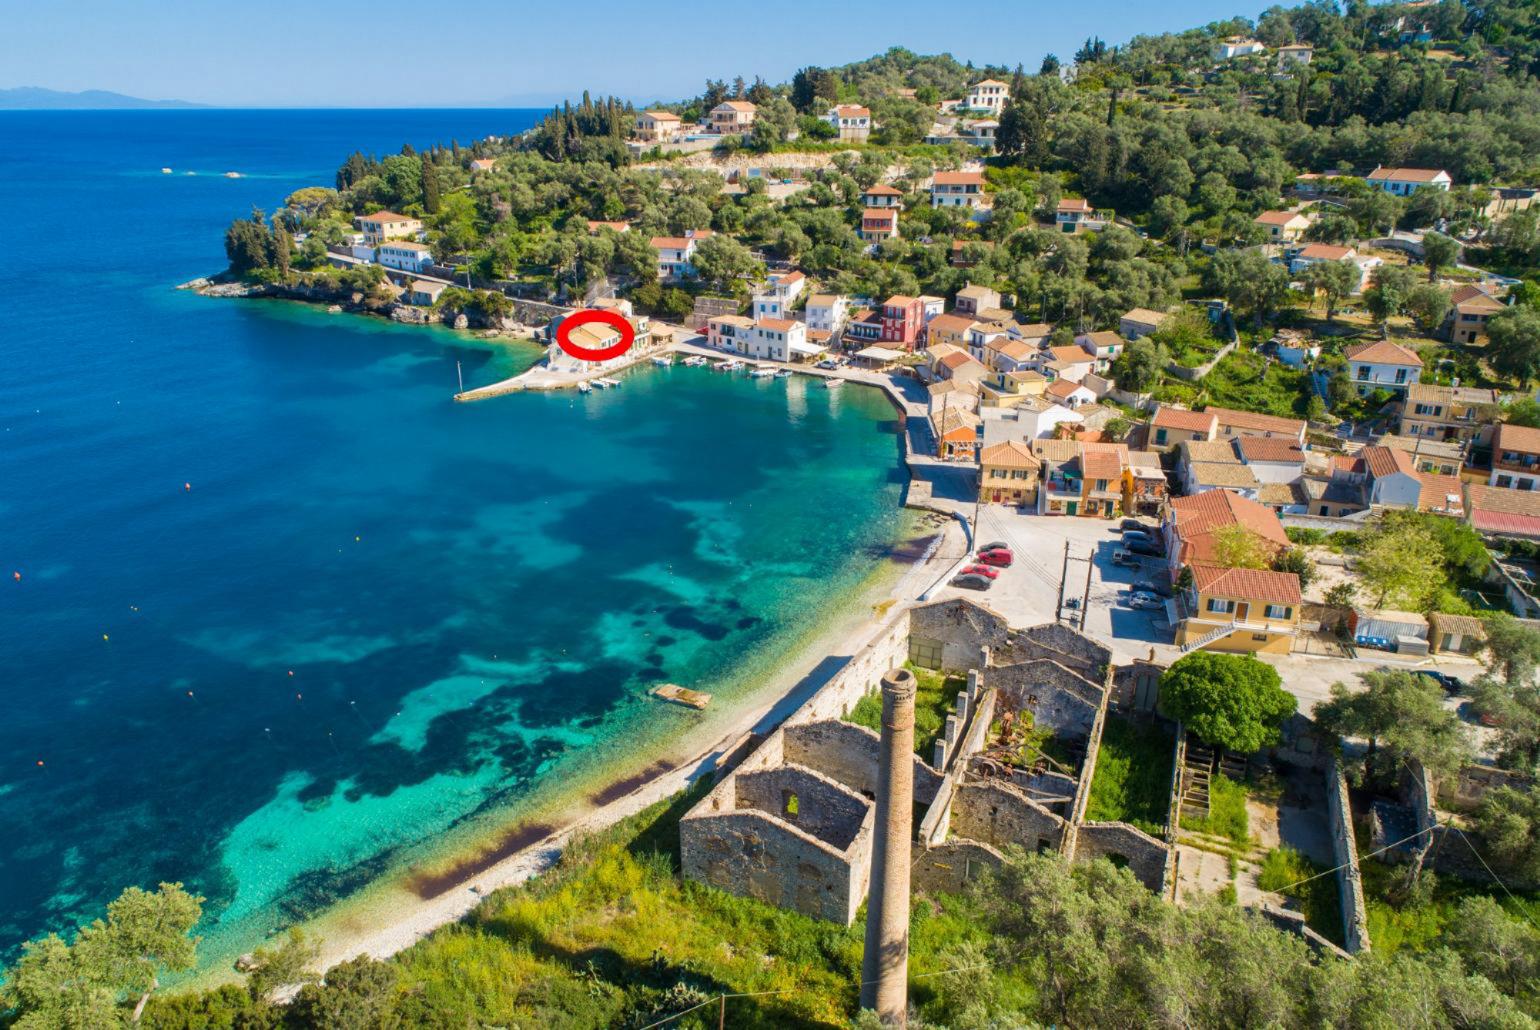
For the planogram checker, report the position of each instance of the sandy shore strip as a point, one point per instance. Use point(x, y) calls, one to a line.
point(410, 919)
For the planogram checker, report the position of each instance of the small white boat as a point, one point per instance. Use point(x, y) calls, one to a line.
point(694, 361)
point(165, 171)
point(784, 373)
point(608, 381)
point(232, 175)
point(584, 388)
point(834, 384)
point(662, 360)
point(763, 372)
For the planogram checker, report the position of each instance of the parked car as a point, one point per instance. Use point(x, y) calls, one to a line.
point(1125, 558)
point(1450, 684)
point(999, 556)
point(973, 582)
point(980, 570)
point(1138, 525)
point(1131, 536)
point(1140, 599)
point(1145, 586)
point(995, 545)
point(1144, 546)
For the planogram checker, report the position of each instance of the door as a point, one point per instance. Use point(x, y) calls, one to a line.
point(997, 497)
point(1242, 608)
point(1073, 508)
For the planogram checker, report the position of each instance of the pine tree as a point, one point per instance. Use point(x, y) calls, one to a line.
point(430, 195)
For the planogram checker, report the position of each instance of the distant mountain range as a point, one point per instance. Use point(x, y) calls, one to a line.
point(35, 98)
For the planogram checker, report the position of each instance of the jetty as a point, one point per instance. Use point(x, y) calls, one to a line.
point(681, 695)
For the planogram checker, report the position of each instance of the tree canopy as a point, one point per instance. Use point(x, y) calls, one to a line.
point(1234, 702)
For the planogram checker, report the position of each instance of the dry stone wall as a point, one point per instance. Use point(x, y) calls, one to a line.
point(998, 813)
point(1127, 845)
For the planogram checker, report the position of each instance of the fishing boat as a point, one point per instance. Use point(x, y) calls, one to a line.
point(165, 171)
point(662, 360)
point(694, 361)
point(784, 373)
point(834, 384)
point(584, 388)
point(608, 381)
point(762, 372)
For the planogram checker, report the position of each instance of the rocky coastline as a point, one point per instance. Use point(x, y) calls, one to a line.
point(526, 314)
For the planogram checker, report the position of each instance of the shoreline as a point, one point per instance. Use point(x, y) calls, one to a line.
point(347, 931)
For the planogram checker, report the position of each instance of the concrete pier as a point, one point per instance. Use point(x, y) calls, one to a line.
point(885, 962)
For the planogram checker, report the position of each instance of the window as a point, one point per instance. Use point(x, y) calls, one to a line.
point(789, 803)
point(1101, 484)
point(1363, 371)
point(1259, 637)
point(1220, 606)
point(1504, 481)
point(1279, 611)
point(1160, 436)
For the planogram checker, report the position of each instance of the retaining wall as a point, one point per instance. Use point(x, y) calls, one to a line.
point(1344, 847)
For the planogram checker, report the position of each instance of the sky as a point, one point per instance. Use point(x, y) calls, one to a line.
point(388, 53)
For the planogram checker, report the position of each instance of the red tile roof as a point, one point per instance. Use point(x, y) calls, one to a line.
point(1010, 454)
point(1405, 174)
point(1168, 417)
point(1257, 421)
point(1263, 585)
point(1070, 355)
point(1199, 515)
point(1326, 252)
point(1510, 437)
point(1277, 217)
point(959, 178)
point(1270, 448)
point(1384, 352)
point(1103, 460)
point(882, 190)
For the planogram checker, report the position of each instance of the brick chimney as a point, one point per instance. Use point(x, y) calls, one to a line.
point(885, 962)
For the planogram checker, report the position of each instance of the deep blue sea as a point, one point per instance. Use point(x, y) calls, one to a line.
point(290, 622)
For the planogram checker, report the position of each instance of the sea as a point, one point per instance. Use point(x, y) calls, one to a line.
point(282, 622)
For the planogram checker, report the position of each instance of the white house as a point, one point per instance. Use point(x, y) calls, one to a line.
point(426, 293)
point(387, 225)
point(1237, 46)
point(1037, 418)
point(931, 307)
point(732, 116)
point(657, 126)
point(1383, 365)
point(778, 339)
point(1316, 253)
point(852, 121)
point(1282, 226)
point(404, 255)
point(1104, 345)
point(1076, 213)
point(1294, 348)
point(826, 312)
point(989, 95)
point(674, 253)
point(776, 299)
point(882, 195)
point(1071, 395)
point(1403, 182)
point(957, 189)
point(730, 332)
point(1295, 53)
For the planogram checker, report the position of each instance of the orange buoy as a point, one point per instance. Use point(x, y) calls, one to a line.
point(39, 763)
point(291, 672)
point(16, 576)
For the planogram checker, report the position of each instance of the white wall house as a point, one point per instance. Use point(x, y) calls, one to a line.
point(1403, 182)
point(989, 95)
point(957, 189)
point(1237, 46)
point(827, 312)
point(777, 339)
point(775, 301)
point(852, 121)
point(1075, 214)
point(1382, 365)
point(387, 225)
point(730, 332)
point(405, 255)
point(674, 253)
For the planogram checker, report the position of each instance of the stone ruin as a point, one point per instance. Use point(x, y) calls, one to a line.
point(793, 823)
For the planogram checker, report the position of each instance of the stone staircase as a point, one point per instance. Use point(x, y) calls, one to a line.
point(1197, 772)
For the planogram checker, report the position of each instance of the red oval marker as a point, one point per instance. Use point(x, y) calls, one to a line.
point(609, 318)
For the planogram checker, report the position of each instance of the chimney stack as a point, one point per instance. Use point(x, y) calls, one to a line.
point(885, 963)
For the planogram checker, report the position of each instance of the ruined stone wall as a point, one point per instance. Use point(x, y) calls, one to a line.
point(1057, 698)
point(752, 855)
point(1344, 849)
point(954, 635)
point(1057, 642)
point(1465, 791)
point(1302, 745)
point(849, 754)
point(998, 813)
point(1136, 686)
point(1047, 787)
point(861, 675)
point(800, 797)
point(946, 867)
point(1144, 856)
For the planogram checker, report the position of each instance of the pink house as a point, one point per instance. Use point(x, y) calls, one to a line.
point(902, 318)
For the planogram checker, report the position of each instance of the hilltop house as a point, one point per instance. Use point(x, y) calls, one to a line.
point(674, 253)
point(1470, 308)
point(852, 121)
point(1282, 226)
point(387, 225)
point(988, 95)
point(1403, 182)
point(1382, 365)
point(732, 117)
point(1237, 46)
point(1446, 412)
point(881, 195)
point(1295, 54)
point(657, 126)
point(1103, 345)
point(1008, 474)
point(1075, 214)
point(1515, 457)
point(878, 224)
point(1139, 322)
point(957, 189)
point(482, 164)
point(974, 300)
point(405, 256)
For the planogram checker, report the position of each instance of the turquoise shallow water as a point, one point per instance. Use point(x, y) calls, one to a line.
point(377, 617)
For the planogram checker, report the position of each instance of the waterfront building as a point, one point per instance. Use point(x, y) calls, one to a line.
point(826, 312)
point(387, 225)
point(405, 256)
point(902, 318)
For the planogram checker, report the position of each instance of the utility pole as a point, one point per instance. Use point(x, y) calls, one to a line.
point(1063, 575)
point(1085, 601)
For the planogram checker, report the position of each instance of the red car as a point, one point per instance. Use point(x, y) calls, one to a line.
point(999, 556)
point(980, 570)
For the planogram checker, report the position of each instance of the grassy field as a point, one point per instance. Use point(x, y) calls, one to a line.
point(934, 694)
point(1246, 381)
point(1318, 899)
point(1132, 782)
point(614, 937)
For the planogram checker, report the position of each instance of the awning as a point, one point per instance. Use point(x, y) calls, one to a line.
point(879, 354)
point(807, 348)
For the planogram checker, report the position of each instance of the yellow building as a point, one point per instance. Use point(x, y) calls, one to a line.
point(1246, 610)
point(1008, 474)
